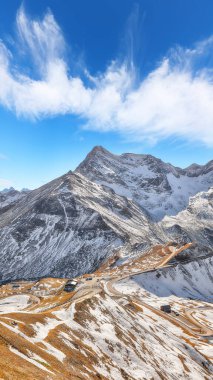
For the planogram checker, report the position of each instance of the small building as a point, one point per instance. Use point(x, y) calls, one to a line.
point(166, 308)
point(70, 285)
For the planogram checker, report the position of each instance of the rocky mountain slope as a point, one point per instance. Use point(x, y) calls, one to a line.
point(193, 280)
point(195, 223)
point(131, 260)
point(70, 225)
point(160, 188)
point(10, 196)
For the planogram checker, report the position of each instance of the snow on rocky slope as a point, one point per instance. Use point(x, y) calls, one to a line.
point(68, 227)
point(105, 330)
point(160, 188)
point(187, 280)
point(195, 223)
point(10, 196)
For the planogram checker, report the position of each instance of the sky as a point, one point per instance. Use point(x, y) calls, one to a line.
point(132, 76)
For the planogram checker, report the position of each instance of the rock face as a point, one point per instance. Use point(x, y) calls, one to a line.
point(70, 225)
point(160, 188)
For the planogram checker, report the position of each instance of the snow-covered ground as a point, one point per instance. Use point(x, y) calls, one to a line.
point(95, 334)
point(14, 303)
point(194, 279)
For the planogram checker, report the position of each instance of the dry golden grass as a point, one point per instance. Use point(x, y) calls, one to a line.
point(80, 359)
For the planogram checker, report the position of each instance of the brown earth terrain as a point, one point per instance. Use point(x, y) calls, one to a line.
point(98, 331)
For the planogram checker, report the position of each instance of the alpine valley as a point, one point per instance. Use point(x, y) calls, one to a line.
point(137, 235)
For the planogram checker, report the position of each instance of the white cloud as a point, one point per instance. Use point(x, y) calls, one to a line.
point(174, 100)
point(43, 39)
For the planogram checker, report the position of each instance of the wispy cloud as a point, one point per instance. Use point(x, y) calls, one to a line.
point(175, 99)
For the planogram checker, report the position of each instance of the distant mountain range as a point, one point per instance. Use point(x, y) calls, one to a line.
point(109, 204)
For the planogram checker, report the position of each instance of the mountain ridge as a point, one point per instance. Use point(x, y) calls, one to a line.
point(70, 225)
point(159, 187)
point(67, 220)
point(100, 148)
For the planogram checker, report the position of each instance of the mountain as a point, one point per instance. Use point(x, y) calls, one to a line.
point(195, 222)
point(67, 227)
point(10, 196)
point(161, 188)
point(72, 224)
point(140, 306)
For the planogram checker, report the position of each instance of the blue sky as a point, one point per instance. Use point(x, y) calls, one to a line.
point(131, 76)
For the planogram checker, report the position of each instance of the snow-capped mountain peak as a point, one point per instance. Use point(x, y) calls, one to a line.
point(111, 202)
point(159, 187)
